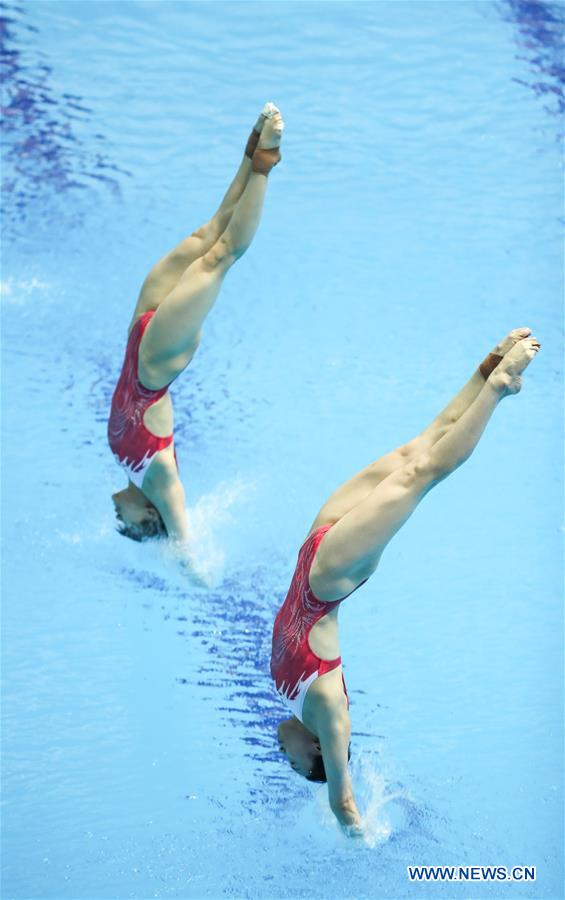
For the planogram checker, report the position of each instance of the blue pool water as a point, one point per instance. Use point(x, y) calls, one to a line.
point(415, 218)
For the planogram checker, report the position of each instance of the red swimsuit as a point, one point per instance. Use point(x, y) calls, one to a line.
point(133, 445)
point(293, 664)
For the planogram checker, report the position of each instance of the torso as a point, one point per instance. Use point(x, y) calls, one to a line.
point(158, 418)
point(305, 638)
point(324, 636)
point(141, 419)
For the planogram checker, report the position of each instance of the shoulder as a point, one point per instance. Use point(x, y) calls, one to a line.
point(326, 702)
point(163, 470)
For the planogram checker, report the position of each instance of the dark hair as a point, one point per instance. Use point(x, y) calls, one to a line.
point(318, 772)
point(144, 531)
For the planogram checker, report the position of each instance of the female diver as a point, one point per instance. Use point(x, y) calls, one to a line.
point(164, 334)
point(343, 549)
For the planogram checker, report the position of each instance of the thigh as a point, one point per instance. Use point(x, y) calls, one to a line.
point(356, 489)
point(167, 272)
point(173, 333)
point(351, 550)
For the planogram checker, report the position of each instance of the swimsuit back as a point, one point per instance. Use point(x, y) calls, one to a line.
point(293, 664)
point(133, 445)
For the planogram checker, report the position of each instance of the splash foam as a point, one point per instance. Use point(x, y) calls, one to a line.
point(384, 805)
point(201, 555)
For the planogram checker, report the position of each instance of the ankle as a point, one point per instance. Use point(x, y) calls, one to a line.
point(489, 364)
point(252, 142)
point(265, 159)
point(499, 383)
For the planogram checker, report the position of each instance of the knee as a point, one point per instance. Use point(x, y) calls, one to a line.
point(423, 469)
point(220, 256)
point(206, 236)
point(204, 233)
point(408, 451)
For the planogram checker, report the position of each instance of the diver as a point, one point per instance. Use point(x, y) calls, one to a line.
point(342, 550)
point(164, 334)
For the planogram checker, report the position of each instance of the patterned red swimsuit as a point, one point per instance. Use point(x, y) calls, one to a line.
point(293, 664)
point(133, 445)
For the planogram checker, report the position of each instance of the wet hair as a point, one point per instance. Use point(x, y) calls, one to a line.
point(144, 531)
point(318, 772)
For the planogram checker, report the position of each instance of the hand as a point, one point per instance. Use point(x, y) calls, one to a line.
point(180, 552)
point(354, 831)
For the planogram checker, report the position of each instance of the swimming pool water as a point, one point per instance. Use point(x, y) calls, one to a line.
point(415, 218)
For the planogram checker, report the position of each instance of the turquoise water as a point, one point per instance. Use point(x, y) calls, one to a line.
point(415, 218)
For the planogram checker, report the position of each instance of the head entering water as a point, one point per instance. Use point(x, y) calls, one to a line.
point(302, 749)
point(137, 518)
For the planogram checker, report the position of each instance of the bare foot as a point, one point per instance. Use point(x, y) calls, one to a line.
point(268, 111)
point(506, 344)
point(267, 153)
point(507, 377)
point(494, 358)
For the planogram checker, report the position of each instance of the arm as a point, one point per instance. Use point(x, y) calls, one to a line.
point(171, 505)
point(334, 733)
point(163, 487)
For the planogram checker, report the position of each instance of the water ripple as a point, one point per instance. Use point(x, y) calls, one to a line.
point(44, 158)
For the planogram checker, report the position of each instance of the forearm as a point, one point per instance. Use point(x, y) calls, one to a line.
point(169, 499)
point(177, 526)
point(173, 513)
point(346, 813)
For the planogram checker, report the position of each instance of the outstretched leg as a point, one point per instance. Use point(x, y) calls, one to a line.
point(357, 488)
point(166, 273)
point(350, 552)
point(172, 335)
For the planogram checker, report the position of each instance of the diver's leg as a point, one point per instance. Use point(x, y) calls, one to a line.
point(167, 272)
point(351, 550)
point(174, 331)
point(357, 488)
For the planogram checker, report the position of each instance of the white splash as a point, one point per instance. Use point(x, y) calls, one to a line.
point(16, 292)
point(202, 557)
point(198, 562)
point(374, 799)
point(69, 537)
point(382, 804)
